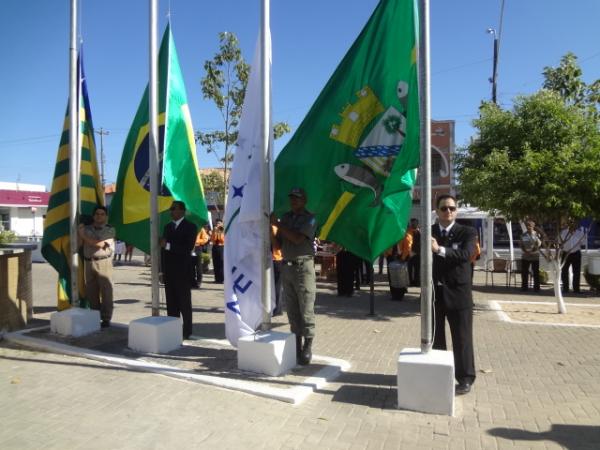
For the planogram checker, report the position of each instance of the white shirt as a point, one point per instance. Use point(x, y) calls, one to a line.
point(442, 250)
point(575, 241)
point(177, 222)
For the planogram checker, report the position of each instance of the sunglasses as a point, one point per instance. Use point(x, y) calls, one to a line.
point(448, 208)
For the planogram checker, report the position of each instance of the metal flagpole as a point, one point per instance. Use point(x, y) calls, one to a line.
point(425, 113)
point(265, 72)
point(153, 157)
point(73, 154)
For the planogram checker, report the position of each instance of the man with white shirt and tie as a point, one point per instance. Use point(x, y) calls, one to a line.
point(452, 245)
point(573, 238)
point(177, 242)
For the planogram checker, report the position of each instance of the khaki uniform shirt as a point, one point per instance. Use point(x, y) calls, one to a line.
point(98, 234)
point(303, 223)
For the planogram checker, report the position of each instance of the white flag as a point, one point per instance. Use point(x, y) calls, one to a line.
point(244, 232)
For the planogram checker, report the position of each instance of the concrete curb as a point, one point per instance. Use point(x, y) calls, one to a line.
point(296, 395)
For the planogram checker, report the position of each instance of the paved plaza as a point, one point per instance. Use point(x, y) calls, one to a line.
point(538, 384)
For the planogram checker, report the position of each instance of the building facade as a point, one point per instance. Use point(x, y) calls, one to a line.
point(22, 208)
point(442, 165)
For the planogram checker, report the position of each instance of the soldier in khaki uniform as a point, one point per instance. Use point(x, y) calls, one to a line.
point(98, 241)
point(296, 233)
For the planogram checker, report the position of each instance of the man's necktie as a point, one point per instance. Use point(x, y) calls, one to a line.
point(444, 236)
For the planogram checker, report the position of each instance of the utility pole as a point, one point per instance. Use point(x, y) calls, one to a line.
point(492, 31)
point(102, 132)
point(497, 37)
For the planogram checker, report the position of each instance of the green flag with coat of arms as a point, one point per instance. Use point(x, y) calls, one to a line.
point(356, 152)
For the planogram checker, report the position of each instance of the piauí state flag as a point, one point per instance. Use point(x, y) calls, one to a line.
point(178, 165)
point(56, 245)
point(244, 232)
point(357, 150)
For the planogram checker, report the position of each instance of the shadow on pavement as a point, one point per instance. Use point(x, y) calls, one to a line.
point(43, 309)
point(66, 362)
point(357, 307)
point(567, 436)
point(209, 330)
point(126, 301)
point(508, 290)
point(132, 284)
point(374, 397)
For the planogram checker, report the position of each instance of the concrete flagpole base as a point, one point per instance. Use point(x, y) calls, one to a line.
point(75, 322)
point(271, 353)
point(426, 381)
point(155, 334)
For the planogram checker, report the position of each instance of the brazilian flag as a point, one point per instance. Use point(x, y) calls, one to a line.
point(356, 151)
point(56, 245)
point(178, 165)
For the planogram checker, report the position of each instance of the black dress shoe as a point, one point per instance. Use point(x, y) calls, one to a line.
point(463, 388)
point(105, 324)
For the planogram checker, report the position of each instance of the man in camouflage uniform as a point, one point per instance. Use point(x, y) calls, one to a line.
point(296, 233)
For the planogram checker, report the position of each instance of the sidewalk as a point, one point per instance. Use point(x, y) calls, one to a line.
point(537, 385)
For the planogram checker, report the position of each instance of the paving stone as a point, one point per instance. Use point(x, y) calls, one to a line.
point(541, 381)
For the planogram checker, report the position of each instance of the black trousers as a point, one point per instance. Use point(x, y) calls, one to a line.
point(366, 270)
point(535, 267)
point(414, 270)
point(197, 267)
point(179, 298)
point(573, 260)
point(461, 330)
point(277, 280)
point(217, 257)
point(347, 265)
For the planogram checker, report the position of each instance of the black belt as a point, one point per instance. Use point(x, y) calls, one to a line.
point(297, 262)
point(96, 258)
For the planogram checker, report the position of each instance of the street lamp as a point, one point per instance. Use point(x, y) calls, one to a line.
point(492, 31)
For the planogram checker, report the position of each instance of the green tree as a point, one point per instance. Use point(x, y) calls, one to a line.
point(225, 84)
point(566, 80)
point(540, 160)
point(214, 186)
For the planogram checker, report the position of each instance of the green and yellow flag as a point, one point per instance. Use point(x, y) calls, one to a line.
point(356, 152)
point(178, 165)
point(56, 245)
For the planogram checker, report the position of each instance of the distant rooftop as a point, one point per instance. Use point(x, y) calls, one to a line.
point(9, 186)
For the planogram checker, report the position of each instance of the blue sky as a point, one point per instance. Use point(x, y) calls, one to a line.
point(309, 39)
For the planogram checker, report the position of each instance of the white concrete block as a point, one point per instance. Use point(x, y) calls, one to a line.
point(155, 334)
point(426, 381)
point(75, 322)
point(272, 353)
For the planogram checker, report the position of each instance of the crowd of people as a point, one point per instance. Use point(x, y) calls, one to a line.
point(455, 248)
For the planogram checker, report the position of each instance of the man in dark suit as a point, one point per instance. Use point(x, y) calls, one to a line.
point(452, 245)
point(177, 242)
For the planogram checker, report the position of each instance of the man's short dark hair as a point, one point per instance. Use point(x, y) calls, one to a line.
point(179, 204)
point(103, 208)
point(444, 197)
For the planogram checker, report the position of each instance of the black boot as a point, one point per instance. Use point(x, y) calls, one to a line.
point(306, 355)
point(298, 347)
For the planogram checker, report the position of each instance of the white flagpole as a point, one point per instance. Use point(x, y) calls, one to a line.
point(153, 157)
point(73, 154)
point(425, 109)
point(266, 261)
